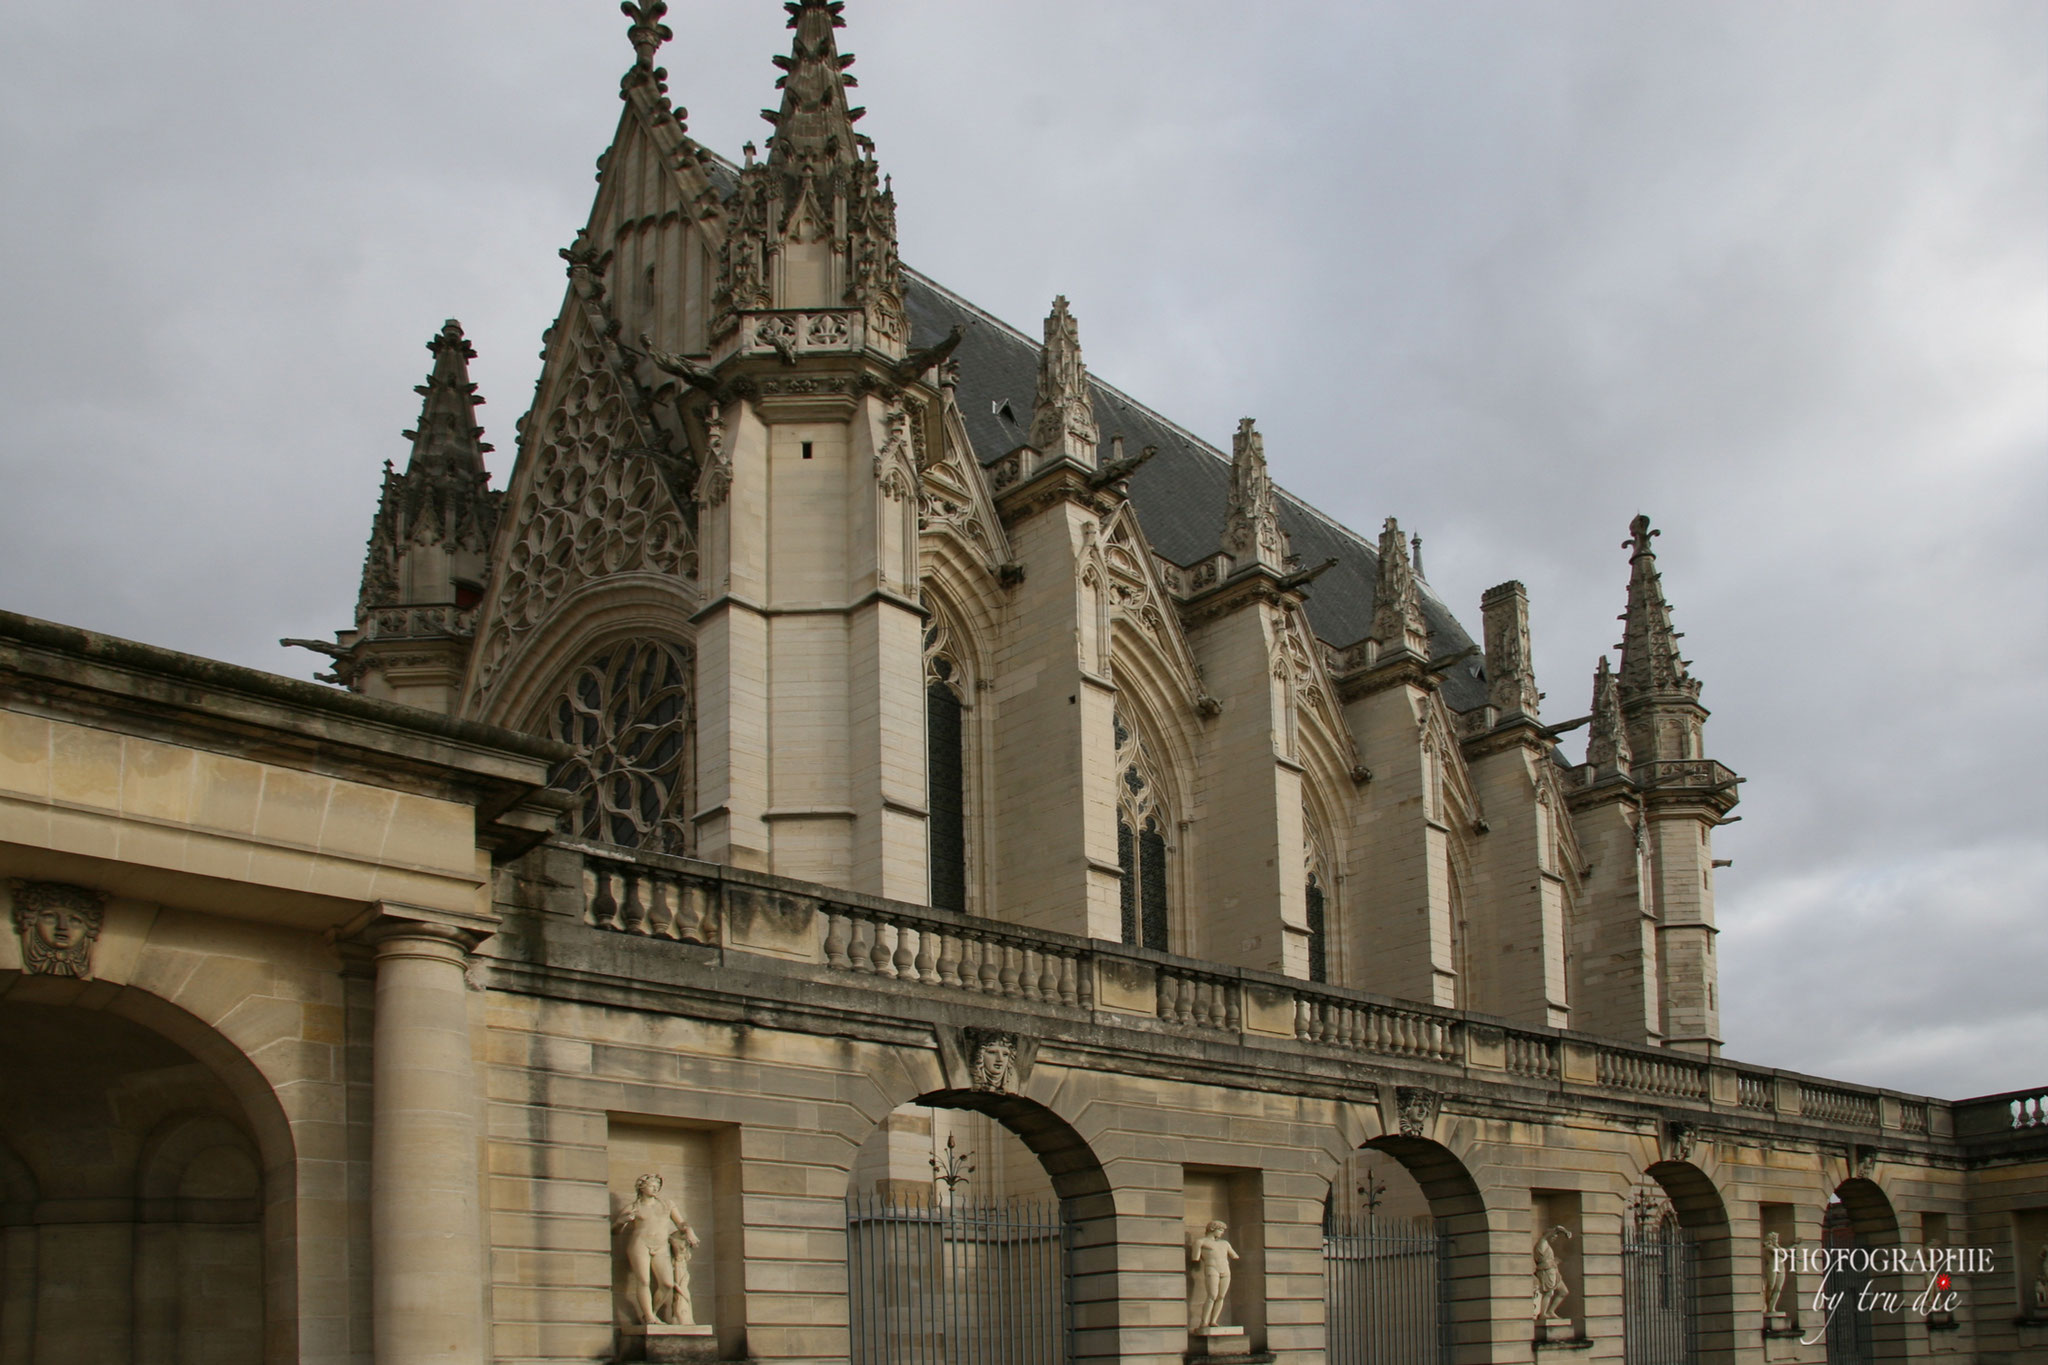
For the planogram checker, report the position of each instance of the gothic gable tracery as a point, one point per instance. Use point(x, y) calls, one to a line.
point(628, 711)
point(589, 501)
point(1151, 639)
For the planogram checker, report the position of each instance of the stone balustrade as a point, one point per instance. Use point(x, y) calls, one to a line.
point(1092, 980)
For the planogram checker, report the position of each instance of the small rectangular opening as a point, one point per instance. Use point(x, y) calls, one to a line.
point(807, 450)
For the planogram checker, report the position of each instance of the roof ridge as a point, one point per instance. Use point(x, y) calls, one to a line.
point(1196, 442)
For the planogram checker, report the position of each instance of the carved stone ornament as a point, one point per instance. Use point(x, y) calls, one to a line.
point(992, 1060)
point(1866, 1163)
point(1679, 1138)
point(58, 924)
point(1418, 1108)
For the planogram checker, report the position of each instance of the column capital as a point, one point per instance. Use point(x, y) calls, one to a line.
point(386, 925)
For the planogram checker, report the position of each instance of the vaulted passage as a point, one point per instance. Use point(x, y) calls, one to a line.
point(131, 1198)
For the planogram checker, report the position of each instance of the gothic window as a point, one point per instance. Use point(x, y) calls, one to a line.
point(1140, 843)
point(628, 713)
point(1316, 884)
point(945, 774)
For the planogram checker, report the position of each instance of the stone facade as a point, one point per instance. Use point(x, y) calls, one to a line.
point(859, 757)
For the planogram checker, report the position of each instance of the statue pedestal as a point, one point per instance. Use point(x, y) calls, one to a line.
point(1554, 1331)
point(661, 1342)
point(1221, 1346)
point(1777, 1323)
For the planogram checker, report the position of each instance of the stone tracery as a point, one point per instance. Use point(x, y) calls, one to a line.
point(628, 712)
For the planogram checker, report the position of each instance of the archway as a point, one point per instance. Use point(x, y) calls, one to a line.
point(142, 1218)
point(1678, 1268)
point(979, 1228)
point(1405, 1258)
point(1859, 1215)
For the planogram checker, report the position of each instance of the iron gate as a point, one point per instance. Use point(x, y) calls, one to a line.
point(1849, 1340)
point(1386, 1293)
point(1660, 1293)
point(965, 1283)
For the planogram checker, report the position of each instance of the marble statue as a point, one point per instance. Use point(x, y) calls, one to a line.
point(1549, 1291)
point(658, 1244)
point(1211, 1258)
point(2041, 1282)
point(1774, 1273)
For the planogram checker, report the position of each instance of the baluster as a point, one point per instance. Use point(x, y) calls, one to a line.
point(886, 934)
point(686, 912)
point(1233, 1007)
point(838, 929)
point(1029, 967)
point(1009, 974)
point(1048, 976)
point(906, 952)
point(970, 962)
point(926, 966)
point(1205, 1003)
point(949, 959)
point(1352, 1024)
point(1304, 1019)
point(860, 950)
point(991, 966)
point(604, 910)
point(633, 914)
point(1191, 1001)
point(1443, 1041)
point(661, 915)
point(1084, 982)
point(1167, 989)
point(1066, 987)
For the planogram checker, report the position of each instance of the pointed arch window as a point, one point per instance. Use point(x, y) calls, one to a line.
point(628, 712)
point(945, 772)
point(1140, 842)
point(1316, 884)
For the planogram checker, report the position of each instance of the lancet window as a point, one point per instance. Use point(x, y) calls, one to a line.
point(1140, 842)
point(945, 770)
point(1317, 887)
point(628, 712)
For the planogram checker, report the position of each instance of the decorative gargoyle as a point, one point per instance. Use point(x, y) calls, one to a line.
point(682, 367)
point(1116, 471)
point(912, 366)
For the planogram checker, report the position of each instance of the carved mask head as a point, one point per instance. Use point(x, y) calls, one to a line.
point(58, 925)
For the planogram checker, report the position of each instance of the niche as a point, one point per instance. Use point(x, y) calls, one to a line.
point(700, 1174)
point(1781, 1313)
point(1549, 1211)
point(2030, 1247)
point(1235, 1198)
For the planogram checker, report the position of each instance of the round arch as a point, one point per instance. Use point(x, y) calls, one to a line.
point(1697, 1203)
point(1459, 1211)
point(222, 1136)
point(1861, 1208)
point(882, 1262)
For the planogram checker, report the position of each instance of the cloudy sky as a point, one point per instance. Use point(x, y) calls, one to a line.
point(1776, 274)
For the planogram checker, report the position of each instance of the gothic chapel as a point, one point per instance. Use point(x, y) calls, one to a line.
point(875, 847)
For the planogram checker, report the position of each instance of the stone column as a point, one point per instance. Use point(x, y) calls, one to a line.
point(426, 1233)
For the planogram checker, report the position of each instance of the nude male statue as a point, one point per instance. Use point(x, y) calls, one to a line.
point(1211, 1258)
point(658, 1246)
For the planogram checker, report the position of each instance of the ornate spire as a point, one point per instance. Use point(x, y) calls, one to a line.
point(1063, 417)
point(1251, 531)
point(647, 33)
point(1510, 673)
point(1649, 647)
point(442, 500)
point(818, 202)
point(814, 127)
point(1607, 746)
point(1397, 622)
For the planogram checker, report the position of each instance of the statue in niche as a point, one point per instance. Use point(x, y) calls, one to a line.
point(1211, 1257)
point(1549, 1291)
point(1774, 1273)
point(658, 1244)
point(58, 925)
point(2041, 1283)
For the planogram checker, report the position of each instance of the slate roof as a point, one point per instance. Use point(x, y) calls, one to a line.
point(1182, 494)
